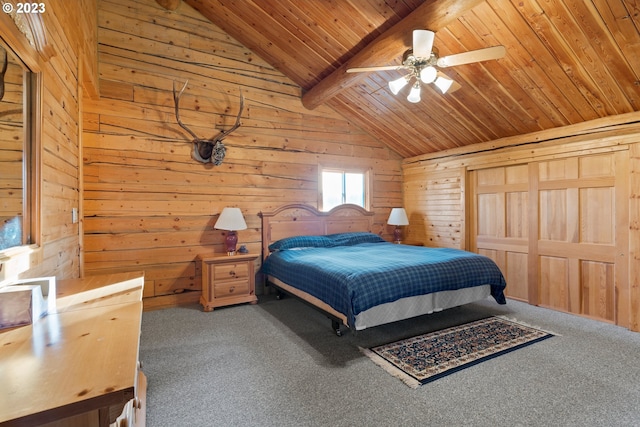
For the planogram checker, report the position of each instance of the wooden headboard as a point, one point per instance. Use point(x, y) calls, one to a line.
point(305, 220)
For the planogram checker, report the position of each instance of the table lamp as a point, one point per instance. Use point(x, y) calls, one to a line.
point(231, 219)
point(398, 217)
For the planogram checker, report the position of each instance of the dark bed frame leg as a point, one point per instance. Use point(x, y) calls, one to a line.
point(335, 322)
point(335, 325)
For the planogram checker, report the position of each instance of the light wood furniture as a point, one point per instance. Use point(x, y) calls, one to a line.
point(227, 280)
point(78, 366)
point(559, 229)
point(412, 243)
point(304, 220)
point(299, 219)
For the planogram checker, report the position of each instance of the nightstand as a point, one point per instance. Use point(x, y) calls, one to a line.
point(228, 280)
point(412, 243)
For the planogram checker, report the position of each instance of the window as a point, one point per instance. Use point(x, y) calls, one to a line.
point(340, 186)
point(18, 151)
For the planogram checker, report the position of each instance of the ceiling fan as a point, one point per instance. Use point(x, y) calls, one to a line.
point(421, 62)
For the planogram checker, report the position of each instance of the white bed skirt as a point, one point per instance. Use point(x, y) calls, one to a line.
point(401, 309)
point(416, 306)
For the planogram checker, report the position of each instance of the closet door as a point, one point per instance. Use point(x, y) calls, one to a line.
point(583, 235)
point(499, 226)
point(559, 231)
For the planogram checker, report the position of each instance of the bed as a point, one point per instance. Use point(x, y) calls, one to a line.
point(334, 262)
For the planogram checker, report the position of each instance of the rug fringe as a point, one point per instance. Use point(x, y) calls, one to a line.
point(511, 319)
point(396, 372)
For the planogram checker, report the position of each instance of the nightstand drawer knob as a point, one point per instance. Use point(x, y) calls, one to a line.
point(232, 273)
point(231, 289)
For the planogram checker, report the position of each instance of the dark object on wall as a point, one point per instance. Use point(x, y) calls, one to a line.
point(206, 150)
point(5, 61)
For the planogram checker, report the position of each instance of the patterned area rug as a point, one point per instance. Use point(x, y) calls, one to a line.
point(427, 357)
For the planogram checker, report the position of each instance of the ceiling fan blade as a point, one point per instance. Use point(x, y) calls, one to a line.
point(422, 43)
point(495, 52)
point(380, 68)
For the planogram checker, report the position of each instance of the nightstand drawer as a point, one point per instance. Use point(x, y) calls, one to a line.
point(231, 288)
point(233, 271)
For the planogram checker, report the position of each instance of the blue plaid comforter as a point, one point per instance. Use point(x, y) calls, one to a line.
point(352, 279)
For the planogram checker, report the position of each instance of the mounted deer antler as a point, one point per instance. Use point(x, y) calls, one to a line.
point(206, 150)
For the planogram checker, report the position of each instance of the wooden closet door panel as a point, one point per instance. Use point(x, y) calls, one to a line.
point(552, 216)
point(555, 290)
point(559, 231)
point(491, 220)
point(516, 275)
point(517, 216)
point(597, 214)
point(580, 213)
point(598, 287)
point(500, 222)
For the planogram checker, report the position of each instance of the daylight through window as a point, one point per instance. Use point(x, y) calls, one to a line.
point(341, 186)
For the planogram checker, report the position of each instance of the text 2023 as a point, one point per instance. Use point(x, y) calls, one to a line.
point(30, 8)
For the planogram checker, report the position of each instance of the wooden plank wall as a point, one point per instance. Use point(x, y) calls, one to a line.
point(59, 243)
point(437, 196)
point(634, 236)
point(147, 204)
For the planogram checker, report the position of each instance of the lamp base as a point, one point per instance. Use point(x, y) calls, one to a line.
point(231, 241)
point(397, 235)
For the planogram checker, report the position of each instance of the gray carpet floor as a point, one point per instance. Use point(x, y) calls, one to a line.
point(278, 363)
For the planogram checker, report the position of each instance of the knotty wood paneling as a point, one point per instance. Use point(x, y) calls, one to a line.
point(634, 237)
point(57, 252)
point(582, 251)
point(147, 204)
point(436, 197)
point(566, 62)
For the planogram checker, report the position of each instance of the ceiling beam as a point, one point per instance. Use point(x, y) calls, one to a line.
point(431, 15)
point(169, 4)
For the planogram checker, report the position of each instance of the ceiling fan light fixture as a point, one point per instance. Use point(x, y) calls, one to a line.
point(422, 62)
point(414, 95)
point(443, 84)
point(396, 85)
point(428, 74)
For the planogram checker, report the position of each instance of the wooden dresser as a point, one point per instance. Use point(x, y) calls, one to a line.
point(78, 366)
point(228, 280)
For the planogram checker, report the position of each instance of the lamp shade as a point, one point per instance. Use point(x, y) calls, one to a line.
point(398, 216)
point(396, 85)
point(443, 84)
point(231, 219)
point(414, 95)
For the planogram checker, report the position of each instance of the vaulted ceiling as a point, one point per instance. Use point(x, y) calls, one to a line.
point(567, 62)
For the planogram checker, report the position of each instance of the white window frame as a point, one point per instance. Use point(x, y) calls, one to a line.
point(367, 183)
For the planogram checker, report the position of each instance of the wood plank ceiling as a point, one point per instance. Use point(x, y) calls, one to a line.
point(567, 62)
